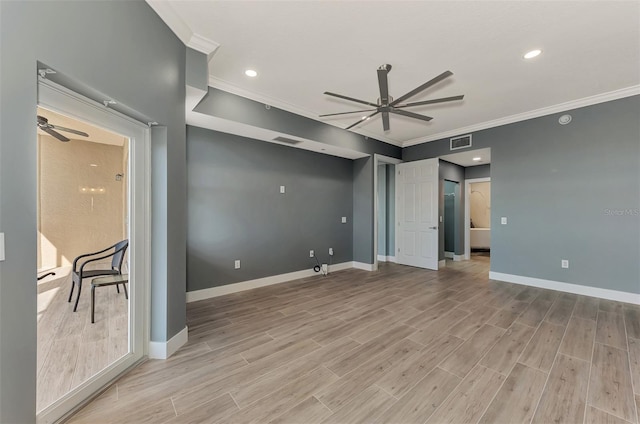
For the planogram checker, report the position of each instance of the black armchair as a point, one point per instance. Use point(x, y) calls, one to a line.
point(79, 273)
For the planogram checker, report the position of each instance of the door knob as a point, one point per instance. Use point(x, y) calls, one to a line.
point(433, 228)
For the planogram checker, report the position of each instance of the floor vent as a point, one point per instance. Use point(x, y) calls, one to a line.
point(286, 140)
point(460, 142)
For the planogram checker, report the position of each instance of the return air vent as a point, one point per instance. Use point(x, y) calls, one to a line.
point(286, 140)
point(460, 142)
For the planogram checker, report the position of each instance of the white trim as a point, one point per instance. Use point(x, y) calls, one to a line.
point(442, 263)
point(448, 255)
point(549, 110)
point(181, 29)
point(467, 213)
point(194, 296)
point(383, 258)
point(163, 350)
point(60, 99)
point(363, 266)
point(457, 258)
point(616, 295)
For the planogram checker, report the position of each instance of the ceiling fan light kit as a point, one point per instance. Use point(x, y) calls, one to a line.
point(387, 104)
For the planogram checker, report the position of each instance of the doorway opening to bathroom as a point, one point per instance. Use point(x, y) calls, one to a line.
point(478, 217)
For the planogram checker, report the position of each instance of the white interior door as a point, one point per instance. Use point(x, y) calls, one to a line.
point(417, 213)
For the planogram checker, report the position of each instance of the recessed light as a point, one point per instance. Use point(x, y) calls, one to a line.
point(251, 73)
point(364, 117)
point(93, 164)
point(477, 159)
point(532, 54)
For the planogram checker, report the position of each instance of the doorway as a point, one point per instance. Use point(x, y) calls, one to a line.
point(478, 217)
point(93, 191)
point(451, 218)
point(384, 246)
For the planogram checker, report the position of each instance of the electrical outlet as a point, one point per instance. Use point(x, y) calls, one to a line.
point(503, 220)
point(311, 254)
point(344, 219)
point(1, 246)
point(331, 251)
point(237, 264)
point(282, 189)
point(564, 263)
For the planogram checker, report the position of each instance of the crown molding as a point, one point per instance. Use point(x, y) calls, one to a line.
point(220, 84)
point(202, 44)
point(549, 110)
point(180, 28)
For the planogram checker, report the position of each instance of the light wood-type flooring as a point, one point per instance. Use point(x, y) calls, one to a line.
point(400, 345)
point(70, 348)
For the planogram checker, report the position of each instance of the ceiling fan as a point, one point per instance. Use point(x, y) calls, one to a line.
point(44, 125)
point(386, 104)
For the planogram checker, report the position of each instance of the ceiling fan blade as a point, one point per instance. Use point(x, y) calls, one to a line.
point(430, 102)
point(53, 133)
point(411, 114)
point(69, 130)
point(444, 75)
point(345, 113)
point(340, 96)
point(361, 120)
point(385, 121)
point(383, 83)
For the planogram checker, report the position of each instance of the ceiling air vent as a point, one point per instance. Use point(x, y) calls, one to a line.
point(461, 142)
point(286, 140)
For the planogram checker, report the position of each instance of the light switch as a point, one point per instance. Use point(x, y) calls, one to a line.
point(237, 264)
point(503, 220)
point(282, 189)
point(344, 219)
point(1, 246)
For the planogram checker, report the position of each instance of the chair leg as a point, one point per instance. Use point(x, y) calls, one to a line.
point(73, 284)
point(78, 298)
point(126, 294)
point(93, 302)
point(118, 288)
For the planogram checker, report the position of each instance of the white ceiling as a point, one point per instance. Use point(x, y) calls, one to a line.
point(591, 50)
point(465, 158)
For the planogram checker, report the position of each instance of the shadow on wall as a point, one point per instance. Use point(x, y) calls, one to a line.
point(81, 203)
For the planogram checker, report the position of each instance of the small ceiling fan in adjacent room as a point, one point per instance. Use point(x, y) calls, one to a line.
point(44, 125)
point(386, 104)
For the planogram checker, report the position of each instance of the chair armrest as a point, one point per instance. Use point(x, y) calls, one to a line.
point(75, 261)
point(98, 259)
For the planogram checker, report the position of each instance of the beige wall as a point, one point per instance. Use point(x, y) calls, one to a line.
point(73, 219)
point(480, 204)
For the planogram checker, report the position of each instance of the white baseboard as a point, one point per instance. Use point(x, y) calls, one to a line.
point(362, 265)
point(448, 255)
point(457, 258)
point(382, 258)
point(568, 287)
point(442, 263)
point(163, 350)
point(194, 296)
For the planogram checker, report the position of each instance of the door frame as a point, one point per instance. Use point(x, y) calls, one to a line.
point(467, 213)
point(379, 160)
point(59, 99)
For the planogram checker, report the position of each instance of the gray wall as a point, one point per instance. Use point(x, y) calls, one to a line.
point(363, 210)
point(478, 171)
point(564, 190)
point(236, 211)
point(125, 51)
